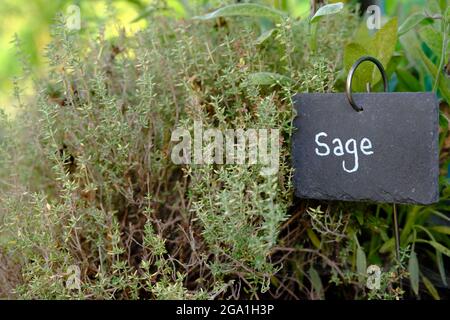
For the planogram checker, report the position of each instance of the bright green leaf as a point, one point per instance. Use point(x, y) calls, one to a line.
point(362, 35)
point(441, 229)
point(327, 10)
point(383, 47)
point(432, 38)
point(362, 75)
point(431, 289)
point(314, 239)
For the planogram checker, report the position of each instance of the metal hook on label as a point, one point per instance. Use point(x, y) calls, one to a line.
point(348, 87)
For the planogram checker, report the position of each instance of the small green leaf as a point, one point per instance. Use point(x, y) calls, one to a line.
point(315, 281)
point(441, 229)
point(360, 217)
point(383, 47)
point(244, 9)
point(440, 264)
point(413, 269)
point(361, 263)
point(431, 289)
point(267, 78)
point(439, 247)
point(314, 239)
point(443, 120)
point(327, 10)
point(412, 21)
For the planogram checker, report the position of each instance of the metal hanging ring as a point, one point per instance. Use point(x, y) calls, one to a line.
point(348, 87)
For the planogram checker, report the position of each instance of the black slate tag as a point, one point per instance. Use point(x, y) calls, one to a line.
point(386, 153)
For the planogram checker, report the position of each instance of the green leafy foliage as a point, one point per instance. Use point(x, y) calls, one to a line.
point(412, 21)
point(105, 197)
point(244, 10)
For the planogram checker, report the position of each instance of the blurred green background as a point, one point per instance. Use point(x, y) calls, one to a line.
point(31, 21)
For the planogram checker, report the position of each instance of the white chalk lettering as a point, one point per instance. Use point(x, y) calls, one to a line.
point(350, 147)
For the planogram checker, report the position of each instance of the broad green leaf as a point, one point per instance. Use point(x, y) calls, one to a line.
point(327, 10)
point(413, 269)
point(315, 281)
point(361, 263)
point(362, 75)
point(412, 21)
point(314, 239)
point(380, 46)
point(433, 39)
point(246, 10)
point(441, 229)
point(383, 47)
point(440, 264)
point(431, 289)
point(267, 78)
point(362, 35)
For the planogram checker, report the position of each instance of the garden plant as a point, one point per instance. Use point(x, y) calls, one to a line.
point(93, 207)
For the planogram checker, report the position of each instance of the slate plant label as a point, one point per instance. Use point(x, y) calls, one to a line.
point(386, 153)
